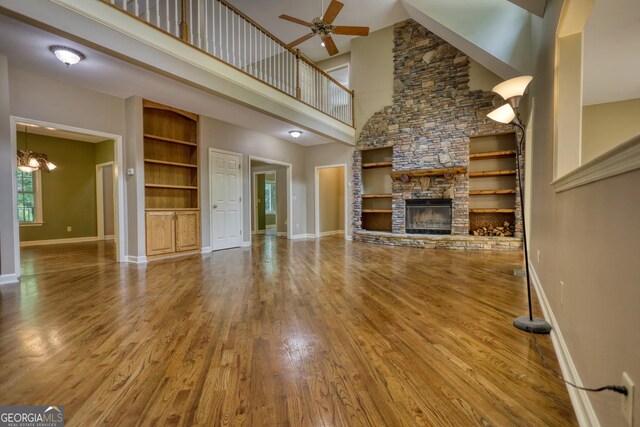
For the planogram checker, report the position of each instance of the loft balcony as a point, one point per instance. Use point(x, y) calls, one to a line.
point(210, 45)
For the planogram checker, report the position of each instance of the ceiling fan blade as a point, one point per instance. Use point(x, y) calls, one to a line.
point(351, 31)
point(330, 45)
point(300, 40)
point(332, 11)
point(295, 20)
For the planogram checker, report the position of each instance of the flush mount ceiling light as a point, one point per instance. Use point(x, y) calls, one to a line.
point(295, 133)
point(67, 55)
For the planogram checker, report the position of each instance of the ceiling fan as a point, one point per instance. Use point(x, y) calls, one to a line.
point(323, 27)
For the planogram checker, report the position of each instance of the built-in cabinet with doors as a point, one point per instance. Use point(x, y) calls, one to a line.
point(172, 196)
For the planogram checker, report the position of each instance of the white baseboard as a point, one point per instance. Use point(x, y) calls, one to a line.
point(579, 398)
point(258, 232)
point(9, 279)
point(349, 238)
point(206, 250)
point(302, 236)
point(112, 237)
point(245, 244)
point(269, 227)
point(137, 259)
point(281, 234)
point(59, 241)
point(331, 233)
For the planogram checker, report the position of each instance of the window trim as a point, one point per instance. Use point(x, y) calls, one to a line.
point(273, 212)
point(38, 220)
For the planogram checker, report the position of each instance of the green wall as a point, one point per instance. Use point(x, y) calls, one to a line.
point(68, 192)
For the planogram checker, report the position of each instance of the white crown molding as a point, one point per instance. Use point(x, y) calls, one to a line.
point(621, 159)
point(579, 398)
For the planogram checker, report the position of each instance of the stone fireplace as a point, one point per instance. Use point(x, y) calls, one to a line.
point(421, 144)
point(428, 216)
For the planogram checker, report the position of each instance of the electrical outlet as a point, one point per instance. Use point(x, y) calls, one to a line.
point(68, 229)
point(627, 401)
point(538, 255)
point(561, 292)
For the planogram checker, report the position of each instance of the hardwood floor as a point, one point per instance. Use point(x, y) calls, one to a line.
point(300, 333)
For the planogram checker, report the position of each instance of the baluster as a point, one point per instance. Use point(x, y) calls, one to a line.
point(158, 15)
point(233, 38)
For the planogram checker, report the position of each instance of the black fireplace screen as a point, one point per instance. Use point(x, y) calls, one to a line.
point(428, 216)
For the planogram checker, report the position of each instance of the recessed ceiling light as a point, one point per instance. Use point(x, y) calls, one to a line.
point(48, 128)
point(295, 133)
point(322, 44)
point(67, 55)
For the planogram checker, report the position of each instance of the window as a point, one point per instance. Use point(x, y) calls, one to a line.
point(270, 197)
point(29, 198)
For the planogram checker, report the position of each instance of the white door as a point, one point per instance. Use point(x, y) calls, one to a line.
point(226, 200)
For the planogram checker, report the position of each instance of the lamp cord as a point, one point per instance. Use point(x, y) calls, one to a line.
point(616, 388)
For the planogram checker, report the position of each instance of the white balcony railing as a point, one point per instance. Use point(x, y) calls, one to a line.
point(219, 29)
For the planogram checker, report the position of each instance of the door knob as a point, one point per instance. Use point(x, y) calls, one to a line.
point(215, 206)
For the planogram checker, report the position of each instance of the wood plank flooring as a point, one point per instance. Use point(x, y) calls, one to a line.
point(306, 333)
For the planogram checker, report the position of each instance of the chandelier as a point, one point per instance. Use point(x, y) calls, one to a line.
point(28, 161)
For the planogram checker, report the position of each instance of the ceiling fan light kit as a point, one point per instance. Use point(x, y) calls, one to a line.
point(323, 27)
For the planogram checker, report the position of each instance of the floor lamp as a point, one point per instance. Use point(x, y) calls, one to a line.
point(512, 91)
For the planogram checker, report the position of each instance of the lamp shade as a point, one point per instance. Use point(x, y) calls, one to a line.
point(513, 87)
point(504, 114)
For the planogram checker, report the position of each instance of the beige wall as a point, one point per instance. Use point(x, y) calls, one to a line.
point(588, 237)
point(372, 73)
point(605, 126)
point(8, 217)
point(331, 199)
point(481, 78)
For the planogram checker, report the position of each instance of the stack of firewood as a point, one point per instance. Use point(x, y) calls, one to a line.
point(506, 230)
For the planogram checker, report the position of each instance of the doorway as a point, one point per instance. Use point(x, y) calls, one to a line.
point(264, 203)
point(55, 206)
point(330, 200)
point(271, 207)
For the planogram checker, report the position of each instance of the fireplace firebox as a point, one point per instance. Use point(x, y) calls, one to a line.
point(428, 216)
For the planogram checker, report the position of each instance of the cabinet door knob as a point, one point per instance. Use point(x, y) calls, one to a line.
point(215, 206)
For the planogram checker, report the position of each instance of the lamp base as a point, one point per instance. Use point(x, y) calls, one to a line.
point(537, 326)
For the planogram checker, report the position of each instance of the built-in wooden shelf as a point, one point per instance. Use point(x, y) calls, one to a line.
point(377, 165)
point(174, 141)
point(376, 196)
point(492, 155)
point(481, 211)
point(384, 211)
point(492, 173)
point(173, 209)
point(162, 162)
point(491, 192)
point(175, 187)
point(428, 172)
